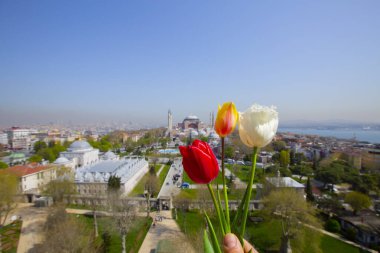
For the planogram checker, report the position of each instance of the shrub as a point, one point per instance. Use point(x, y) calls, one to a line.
point(332, 226)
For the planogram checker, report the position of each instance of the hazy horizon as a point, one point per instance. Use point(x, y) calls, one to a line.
point(89, 61)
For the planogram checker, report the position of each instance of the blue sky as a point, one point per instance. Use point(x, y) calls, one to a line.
point(133, 60)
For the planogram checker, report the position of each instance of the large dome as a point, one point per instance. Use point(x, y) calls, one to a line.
point(80, 145)
point(109, 156)
point(191, 117)
point(61, 160)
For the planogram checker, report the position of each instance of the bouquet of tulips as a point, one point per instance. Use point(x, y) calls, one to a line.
point(257, 127)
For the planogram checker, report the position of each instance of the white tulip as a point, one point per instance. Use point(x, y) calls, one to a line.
point(258, 125)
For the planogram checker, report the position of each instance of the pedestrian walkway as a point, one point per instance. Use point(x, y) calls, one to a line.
point(33, 221)
point(165, 230)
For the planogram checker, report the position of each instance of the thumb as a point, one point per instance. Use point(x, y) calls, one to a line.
point(231, 244)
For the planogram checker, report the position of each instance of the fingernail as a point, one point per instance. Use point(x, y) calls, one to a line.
point(229, 241)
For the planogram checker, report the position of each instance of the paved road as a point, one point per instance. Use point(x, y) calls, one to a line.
point(168, 188)
point(165, 230)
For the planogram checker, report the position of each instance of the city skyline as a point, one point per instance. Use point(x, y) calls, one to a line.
point(87, 62)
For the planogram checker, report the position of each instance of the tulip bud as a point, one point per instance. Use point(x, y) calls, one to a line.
point(226, 119)
point(258, 125)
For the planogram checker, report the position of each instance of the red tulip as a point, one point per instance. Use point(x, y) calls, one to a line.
point(199, 162)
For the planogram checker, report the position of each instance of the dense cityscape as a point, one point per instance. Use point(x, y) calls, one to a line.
point(189, 126)
point(52, 167)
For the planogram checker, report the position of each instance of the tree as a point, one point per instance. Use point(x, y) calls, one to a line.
point(113, 192)
point(3, 165)
point(152, 187)
point(47, 154)
point(294, 212)
point(38, 145)
point(330, 174)
point(8, 191)
point(229, 152)
point(357, 201)
point(62, 186)
point(66, 233)
point(284, 158)
point(35, 159)
point(332, 225)
point(302, 170)
point(124, 220)
point(309, 191)
point(278, 145)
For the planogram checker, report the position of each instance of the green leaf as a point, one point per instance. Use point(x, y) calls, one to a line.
point(214, 240)
point(207, 244)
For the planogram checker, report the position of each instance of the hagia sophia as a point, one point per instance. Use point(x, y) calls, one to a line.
point(192, 126)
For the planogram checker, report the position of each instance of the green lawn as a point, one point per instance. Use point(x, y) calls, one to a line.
point(242, 172)
point(134, 238)
point(218, 180)
point(265, 235)
point(140, 187)
point(233, 194)
point(163, 174)
point(10, 235)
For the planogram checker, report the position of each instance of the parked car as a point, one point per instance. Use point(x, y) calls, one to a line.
point(185, 185)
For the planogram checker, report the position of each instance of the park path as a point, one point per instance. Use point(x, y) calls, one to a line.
point(165, 230)
point(33, 221)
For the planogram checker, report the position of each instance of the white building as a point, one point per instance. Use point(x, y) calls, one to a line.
point(93, 179)
point(64, 162)
point(81, 153)
point(3, 138)
point(19, 138)
point(32, 178)
point(110, 156)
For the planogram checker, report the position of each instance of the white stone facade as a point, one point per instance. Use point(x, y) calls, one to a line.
point(93, 180)
point(82, 153)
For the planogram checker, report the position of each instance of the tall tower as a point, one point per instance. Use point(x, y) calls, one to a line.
point(170, 121)
point(212, 120)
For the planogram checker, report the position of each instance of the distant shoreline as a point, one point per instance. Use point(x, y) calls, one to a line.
point(372, 136)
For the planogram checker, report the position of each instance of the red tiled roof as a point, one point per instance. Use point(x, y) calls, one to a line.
point(23, 170)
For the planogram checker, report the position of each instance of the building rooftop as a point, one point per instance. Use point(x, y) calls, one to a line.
point(284, 182)
point(23, 170)
point(101, 171)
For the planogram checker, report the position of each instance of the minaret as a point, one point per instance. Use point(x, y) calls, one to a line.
point(212, 120)
point(170, 121)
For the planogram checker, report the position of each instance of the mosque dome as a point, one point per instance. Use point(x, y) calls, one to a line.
point(61, 160)
point(191, 117)
point(79, 145)
point(109, 155)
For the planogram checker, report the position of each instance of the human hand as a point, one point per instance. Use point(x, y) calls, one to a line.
point(231, 244)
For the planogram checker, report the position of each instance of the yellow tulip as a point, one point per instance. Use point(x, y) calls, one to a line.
point(226, 119)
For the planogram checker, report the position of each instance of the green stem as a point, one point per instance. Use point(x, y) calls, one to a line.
point(246, 207)
point(216, 208)
point(225, 192)
point(239, 212)
point(221, 211)
point(213, 235)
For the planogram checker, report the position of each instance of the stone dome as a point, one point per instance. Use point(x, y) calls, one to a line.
point(61, 160)
point(109, 155)
point(191, 117)
point(80, 145)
